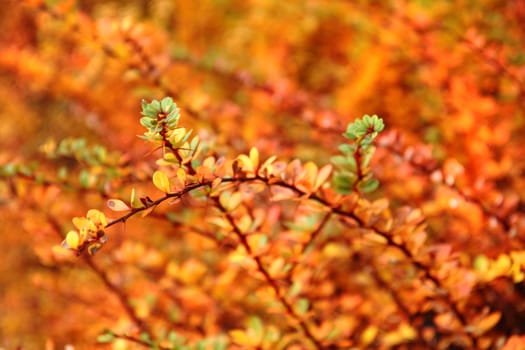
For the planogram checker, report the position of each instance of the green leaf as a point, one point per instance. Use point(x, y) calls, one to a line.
point(367, 156)
point(378, 123)
point(172, 119)
point(350, 133)
point(345, 163)
point(145, 337)
point(369, 185)
point(360, 127)
point(302, 306)
point(151, 109)
point(83, 178)
point(166, 104)
point(256, 325)
point(25, 170)
point(481, 263)
point(517, 59)
point(295, 289)
point(219, 345)
point(155, 104)
point(194, 143)
point(344, 182)
point(9, 169)
point(173, 338)
point(78, 144)
point(147, 122)
point(186, 136)
point(347, 149)
point(106, 337)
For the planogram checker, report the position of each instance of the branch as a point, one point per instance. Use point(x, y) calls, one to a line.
point(273, 284)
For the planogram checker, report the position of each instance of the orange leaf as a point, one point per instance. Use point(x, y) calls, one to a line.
point(515, 343)
point(485, 323)
point(267, 164)
point(322, 176)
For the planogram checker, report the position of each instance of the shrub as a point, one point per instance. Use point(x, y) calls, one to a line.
point(246, 215)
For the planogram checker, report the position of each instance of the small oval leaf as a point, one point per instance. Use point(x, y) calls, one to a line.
point(72, 239)
point(161, 181)
point(117, 205)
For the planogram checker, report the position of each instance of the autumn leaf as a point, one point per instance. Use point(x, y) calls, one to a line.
point(72, 240)
point(161, 181)
point(117, 205)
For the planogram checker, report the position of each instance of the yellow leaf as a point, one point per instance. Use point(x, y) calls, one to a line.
point(402, 334)
point(177, 136)
point(209, 162)
point(96, 217)
point(235, 200)
point(501, 267)
point(216, 182)
point(161, 181)
point(310, 169)
point(481, 264)
point(72, 239)
point(254, 157)
point(117, 205)
point(518, 257)
point(276, 267)
point(220, 222)
point(191, 271)
point(323, 174)
point(337, 251)
point(241, 338)
point(517, 273)
point(230, 201)
point(181, 175)
point(369, 335)
point(245, 163)
point(132, 196)
point(267, 164)
point(133, 201)
point(82, 223)
point(244, 223)
point(305, 179)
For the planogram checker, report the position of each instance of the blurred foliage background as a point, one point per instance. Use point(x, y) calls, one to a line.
point(284, 76)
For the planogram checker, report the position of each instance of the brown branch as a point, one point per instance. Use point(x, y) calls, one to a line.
point(334, 210)
point(139, 341)
point(273, 283)
point(316, 232)
point(427, 171)
point(105, 279)
point(123, 299)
